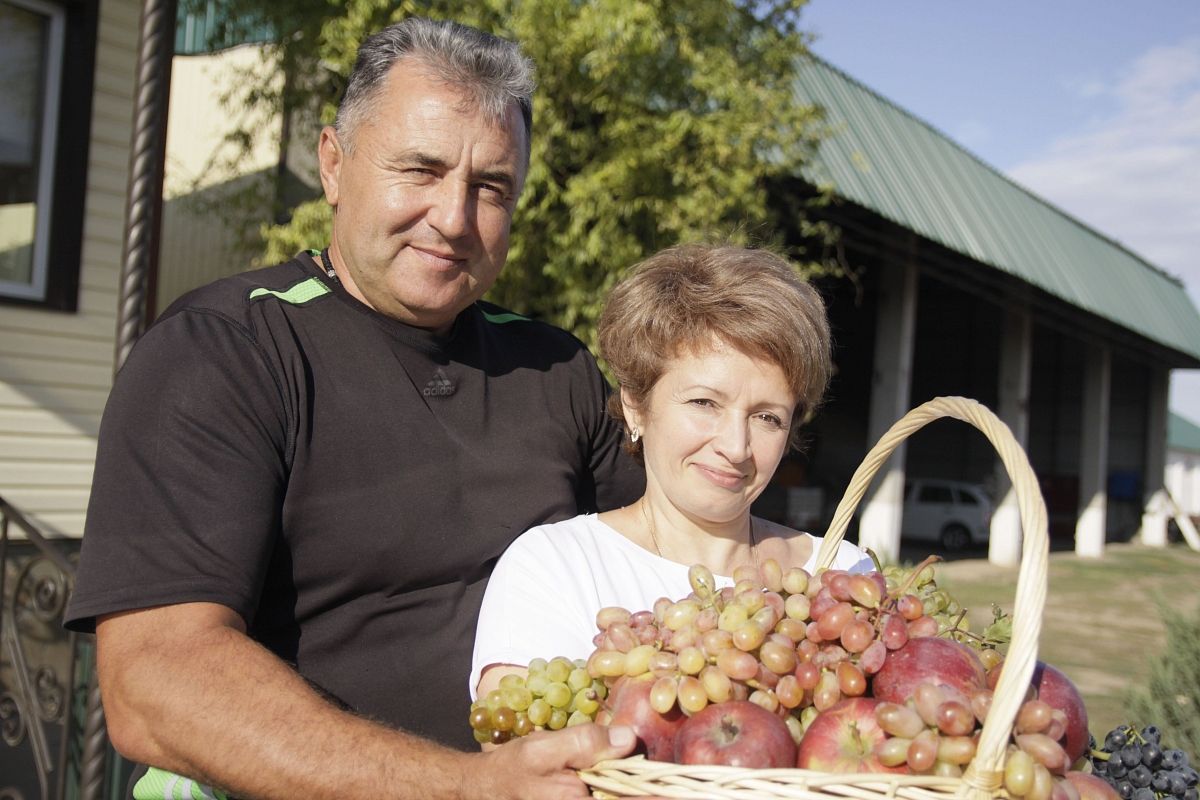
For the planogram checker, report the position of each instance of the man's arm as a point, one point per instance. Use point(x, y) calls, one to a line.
point(186, 690)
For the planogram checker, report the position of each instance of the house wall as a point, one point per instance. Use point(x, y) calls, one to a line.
point(55, 367)
point(216, 195)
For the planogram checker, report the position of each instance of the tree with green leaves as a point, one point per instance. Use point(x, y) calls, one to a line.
point(655, 122)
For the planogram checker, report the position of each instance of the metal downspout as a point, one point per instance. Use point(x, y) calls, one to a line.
point(147, 157)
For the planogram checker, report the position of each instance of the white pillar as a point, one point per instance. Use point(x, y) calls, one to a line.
point(891, 386)
point(1016, 358)
point(1154, 515)
point(1093, 453)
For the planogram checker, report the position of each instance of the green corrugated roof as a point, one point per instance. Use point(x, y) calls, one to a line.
point(884, 159)
point(1182, 434)
point(197, 22)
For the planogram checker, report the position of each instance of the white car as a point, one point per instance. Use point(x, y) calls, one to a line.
point(952, 513)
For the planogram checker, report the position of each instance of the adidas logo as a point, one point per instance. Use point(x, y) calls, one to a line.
point(439, 385)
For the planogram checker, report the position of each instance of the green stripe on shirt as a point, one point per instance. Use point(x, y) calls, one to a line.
point(500, 319)
point(300, 293)
point(158, 784)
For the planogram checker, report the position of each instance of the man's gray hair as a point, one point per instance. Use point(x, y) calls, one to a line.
point(491, 72)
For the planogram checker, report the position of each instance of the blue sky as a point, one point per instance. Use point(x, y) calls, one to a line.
point(1092, 104)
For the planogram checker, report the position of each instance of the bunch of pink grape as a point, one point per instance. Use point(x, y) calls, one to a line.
point(937, 732)
point(793, 643)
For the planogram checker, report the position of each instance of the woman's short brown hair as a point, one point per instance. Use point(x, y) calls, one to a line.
point(684, 298)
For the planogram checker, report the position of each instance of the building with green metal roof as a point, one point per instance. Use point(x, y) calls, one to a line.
point(966, 283)
point(883, 159)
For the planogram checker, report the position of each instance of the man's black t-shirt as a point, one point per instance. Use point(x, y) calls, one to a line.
point(343, 481)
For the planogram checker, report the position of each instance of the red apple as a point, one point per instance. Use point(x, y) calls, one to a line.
point(843, 738)
point(1092, 788)
point(1056, 689)
point(629, 704)
point(736, 733)
point(928, 659)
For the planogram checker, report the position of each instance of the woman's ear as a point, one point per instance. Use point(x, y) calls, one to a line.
point(633, 417)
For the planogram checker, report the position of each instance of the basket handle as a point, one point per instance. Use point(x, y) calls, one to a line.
point(985, 773)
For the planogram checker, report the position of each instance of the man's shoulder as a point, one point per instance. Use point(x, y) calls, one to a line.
point(518, 345)
point(500, 323)
point(291, 282)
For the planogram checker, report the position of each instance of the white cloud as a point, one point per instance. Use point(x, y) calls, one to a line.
point(1161, 72)
point(1134, 174)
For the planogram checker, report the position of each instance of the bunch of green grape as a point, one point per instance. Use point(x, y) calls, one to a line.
point(552, 695)
point(939, 604)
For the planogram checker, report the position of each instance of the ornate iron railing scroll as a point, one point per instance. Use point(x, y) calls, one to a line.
point(53, 741)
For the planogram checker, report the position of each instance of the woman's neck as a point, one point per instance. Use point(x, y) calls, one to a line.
point(680, 537)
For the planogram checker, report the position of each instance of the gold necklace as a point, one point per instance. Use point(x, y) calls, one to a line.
point(658, 549)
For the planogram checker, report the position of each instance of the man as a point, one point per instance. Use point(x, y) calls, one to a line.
point(306, 473)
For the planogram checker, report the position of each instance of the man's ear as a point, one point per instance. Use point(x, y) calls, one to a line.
point(330, 156)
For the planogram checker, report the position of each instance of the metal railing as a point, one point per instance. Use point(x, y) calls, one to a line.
point(53, 742)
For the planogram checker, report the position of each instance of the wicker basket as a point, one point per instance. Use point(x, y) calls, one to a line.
point(983, 778)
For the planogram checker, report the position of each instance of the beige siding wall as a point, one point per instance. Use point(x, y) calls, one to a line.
point(198, 156)
point(206, 234)
point(55, 368)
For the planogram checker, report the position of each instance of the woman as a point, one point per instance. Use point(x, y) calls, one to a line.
point(719, 353)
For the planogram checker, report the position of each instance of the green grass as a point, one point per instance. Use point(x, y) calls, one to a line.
point(1101, 624)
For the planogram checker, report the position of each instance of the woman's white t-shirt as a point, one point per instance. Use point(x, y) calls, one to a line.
point(542, 598)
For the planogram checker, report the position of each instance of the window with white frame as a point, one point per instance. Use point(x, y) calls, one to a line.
point(31, 60)
point(47, 76)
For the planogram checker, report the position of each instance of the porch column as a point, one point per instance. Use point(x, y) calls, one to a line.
point(1154, 515)
point(891, 384)
point(1016, 358)
point(1093, 456)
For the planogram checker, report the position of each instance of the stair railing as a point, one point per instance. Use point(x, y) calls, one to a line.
point(53, 742)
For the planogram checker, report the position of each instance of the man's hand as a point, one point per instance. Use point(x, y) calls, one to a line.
point(542, 766)
point(187, 691)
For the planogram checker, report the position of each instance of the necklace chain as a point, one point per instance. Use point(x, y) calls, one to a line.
point(658, 549)
point(328, 264)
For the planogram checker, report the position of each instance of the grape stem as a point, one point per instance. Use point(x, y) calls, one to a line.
point(954, 632)
point(912, 576)
point(889, 602)
point(874, 559)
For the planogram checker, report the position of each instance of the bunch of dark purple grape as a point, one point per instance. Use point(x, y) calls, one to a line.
point(1135, 763)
